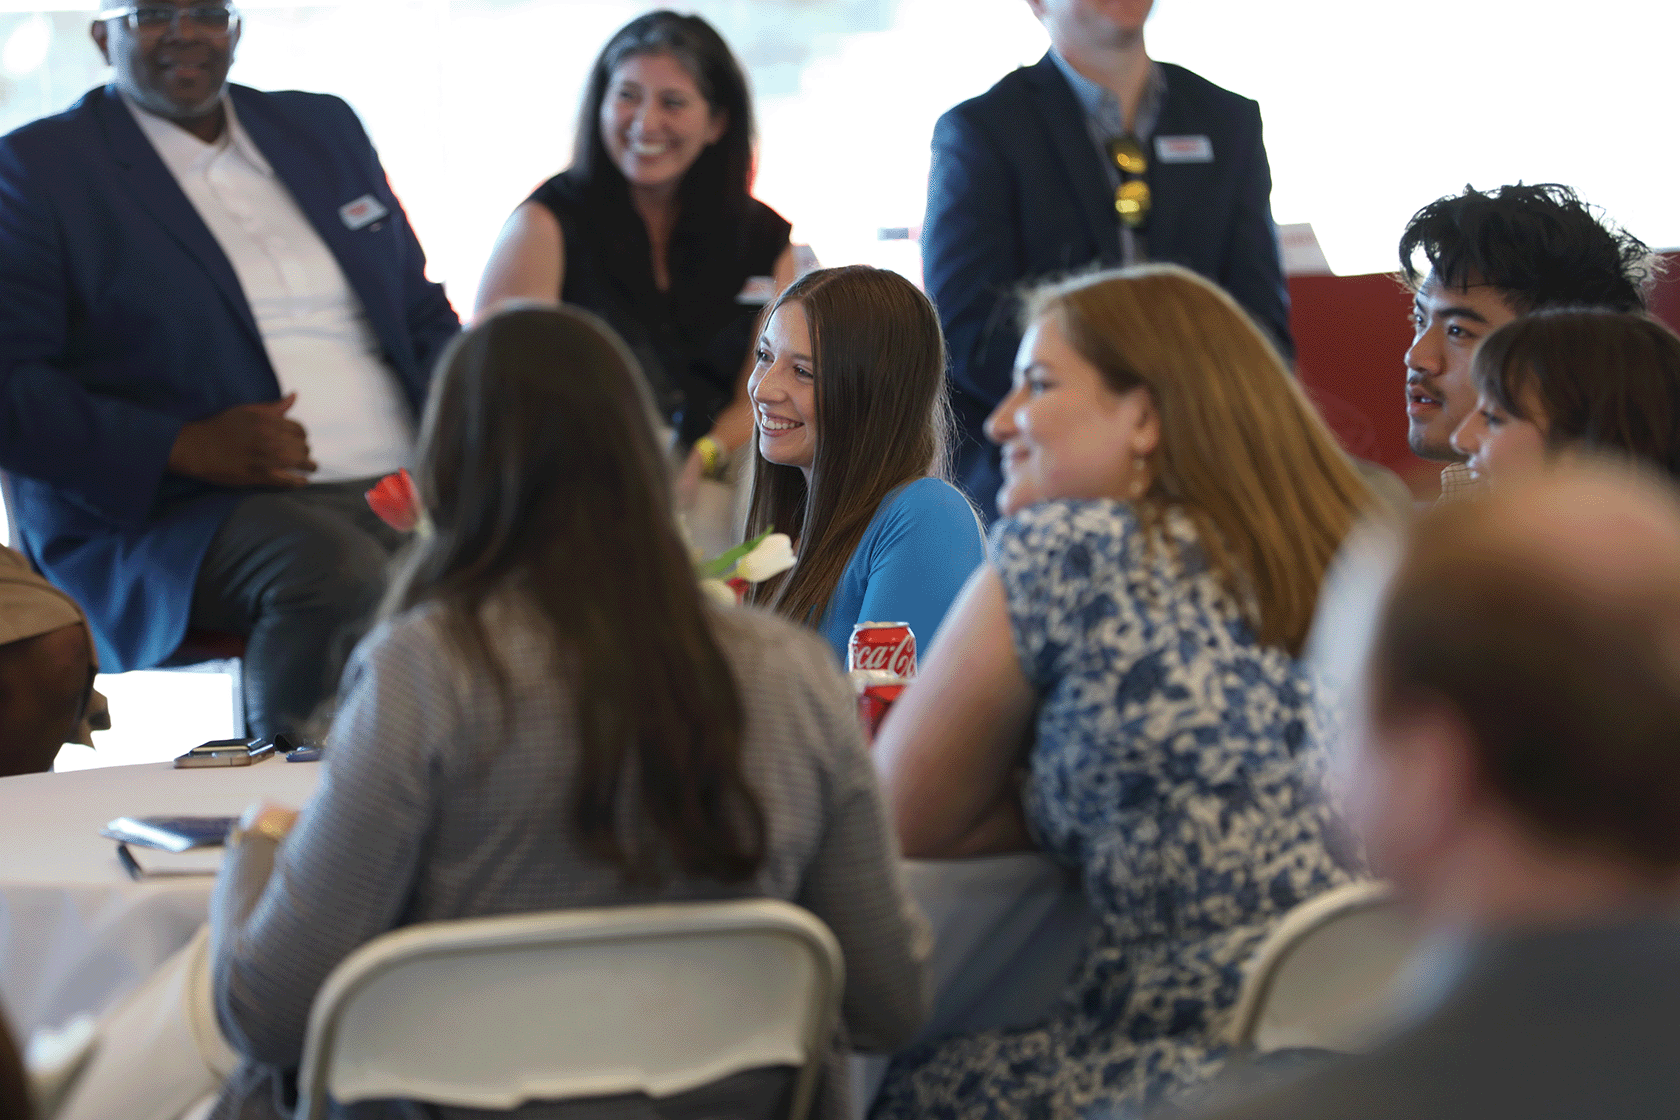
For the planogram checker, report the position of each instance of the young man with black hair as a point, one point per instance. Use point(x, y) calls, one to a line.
point(1492, 256)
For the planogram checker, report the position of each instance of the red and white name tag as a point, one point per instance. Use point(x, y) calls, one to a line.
point(361, 212)
point(1184, 149)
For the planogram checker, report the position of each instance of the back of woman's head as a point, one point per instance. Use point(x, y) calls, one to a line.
point(722, 176)
point(1241, 449)
point(1604, 380)
point(544, 483)
point(882, 421)
point(14, 1082)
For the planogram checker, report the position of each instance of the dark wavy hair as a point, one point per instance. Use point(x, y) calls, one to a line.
point(1606, 380)
point(544, 480)
point(882, 420)
point(720, 182)
point(1540, 246)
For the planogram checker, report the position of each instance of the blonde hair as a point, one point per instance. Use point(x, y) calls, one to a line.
point(1242, 452)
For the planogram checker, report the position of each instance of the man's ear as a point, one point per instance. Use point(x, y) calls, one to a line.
point(100, 35)
point(1425, 790)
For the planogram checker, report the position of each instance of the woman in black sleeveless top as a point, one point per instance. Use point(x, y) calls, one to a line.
point(653, 228)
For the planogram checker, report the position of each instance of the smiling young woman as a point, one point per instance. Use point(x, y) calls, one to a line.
point(848, 393)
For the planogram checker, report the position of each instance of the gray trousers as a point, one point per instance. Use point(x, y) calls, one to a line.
point(299, 574)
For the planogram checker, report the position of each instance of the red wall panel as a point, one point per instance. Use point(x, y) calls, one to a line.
point(1351, 334)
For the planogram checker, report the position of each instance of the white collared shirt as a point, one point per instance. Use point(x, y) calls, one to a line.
point(313, 325)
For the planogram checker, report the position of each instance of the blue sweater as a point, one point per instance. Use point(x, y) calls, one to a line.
point(919, 550)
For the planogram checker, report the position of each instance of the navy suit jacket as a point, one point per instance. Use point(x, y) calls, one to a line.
point(1017, 193)
point(121, 319)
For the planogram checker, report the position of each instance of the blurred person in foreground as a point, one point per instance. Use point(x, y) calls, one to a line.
point(1095, 156)
point(1518, 780)
point(848, 394)
point(551, 716)
point(14, 1082)
point(1574, 381)
point(1477, 260)
point(654, 228)
point(1119, 686)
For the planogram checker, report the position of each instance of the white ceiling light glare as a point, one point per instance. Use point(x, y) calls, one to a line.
point(26, 47)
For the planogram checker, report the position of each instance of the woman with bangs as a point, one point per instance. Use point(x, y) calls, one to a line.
point(1576, 380)
point(848, 393)
point(1120, 687)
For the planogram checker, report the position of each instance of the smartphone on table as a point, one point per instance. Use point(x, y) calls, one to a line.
point(226, 752)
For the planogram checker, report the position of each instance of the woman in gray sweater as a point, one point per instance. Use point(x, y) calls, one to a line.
point(551, 717)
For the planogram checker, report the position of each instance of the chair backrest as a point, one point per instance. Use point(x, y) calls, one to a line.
point(492, 1012)
point(1325, 977)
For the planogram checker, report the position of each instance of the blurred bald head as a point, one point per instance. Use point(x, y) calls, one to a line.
point(1524, 686)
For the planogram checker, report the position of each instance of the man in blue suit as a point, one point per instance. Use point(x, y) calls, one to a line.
point(215, 330)
point(1097, 156)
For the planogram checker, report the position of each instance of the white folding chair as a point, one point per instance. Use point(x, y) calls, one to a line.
point(1325, 977)
point(489, 1013)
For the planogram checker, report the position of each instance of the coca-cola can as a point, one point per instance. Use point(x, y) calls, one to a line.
point(874, 702)
point(882, 647)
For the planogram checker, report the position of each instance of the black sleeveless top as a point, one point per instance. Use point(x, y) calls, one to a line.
point(693, 339)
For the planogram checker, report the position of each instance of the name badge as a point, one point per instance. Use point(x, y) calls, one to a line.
point(757, 290)
point(361, 212)
point(1184, 149)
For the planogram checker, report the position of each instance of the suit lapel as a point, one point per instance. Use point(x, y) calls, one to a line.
point(155, 190)
point(309, 174)
point(1064, 122)
point(1172, 184)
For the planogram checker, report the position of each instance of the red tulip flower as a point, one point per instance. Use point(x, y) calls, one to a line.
point(397, 502)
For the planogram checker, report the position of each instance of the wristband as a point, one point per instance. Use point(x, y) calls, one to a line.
point(711, 457)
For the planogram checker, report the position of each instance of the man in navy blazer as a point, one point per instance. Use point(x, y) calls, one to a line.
point(1022, 188)
point(142, 418)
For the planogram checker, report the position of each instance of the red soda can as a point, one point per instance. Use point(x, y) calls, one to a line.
point(874, 702)
point(888, 647)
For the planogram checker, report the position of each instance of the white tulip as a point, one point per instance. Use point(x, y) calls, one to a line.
point(718, 592)
point(773, 556)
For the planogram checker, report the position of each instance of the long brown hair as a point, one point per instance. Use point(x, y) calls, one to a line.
point(882, 421)
point(720, 182)
point(543, 477)
point(1242, 452)
point(14, 1083)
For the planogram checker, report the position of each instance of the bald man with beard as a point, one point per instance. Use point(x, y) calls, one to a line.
point(1518, 780)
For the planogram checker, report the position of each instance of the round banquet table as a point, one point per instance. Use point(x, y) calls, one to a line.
point(77, 933)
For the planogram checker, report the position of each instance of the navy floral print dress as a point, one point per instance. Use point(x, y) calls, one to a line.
point(1177, 766)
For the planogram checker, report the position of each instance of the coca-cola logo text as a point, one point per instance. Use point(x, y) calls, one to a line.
point(900, 658)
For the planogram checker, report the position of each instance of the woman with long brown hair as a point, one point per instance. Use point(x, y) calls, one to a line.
point(551, 717)
point(1119, 687)
point(848, 392)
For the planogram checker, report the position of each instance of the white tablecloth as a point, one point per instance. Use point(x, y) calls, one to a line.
point(76, 933)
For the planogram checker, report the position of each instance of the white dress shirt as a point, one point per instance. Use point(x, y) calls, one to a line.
point(313, 325)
